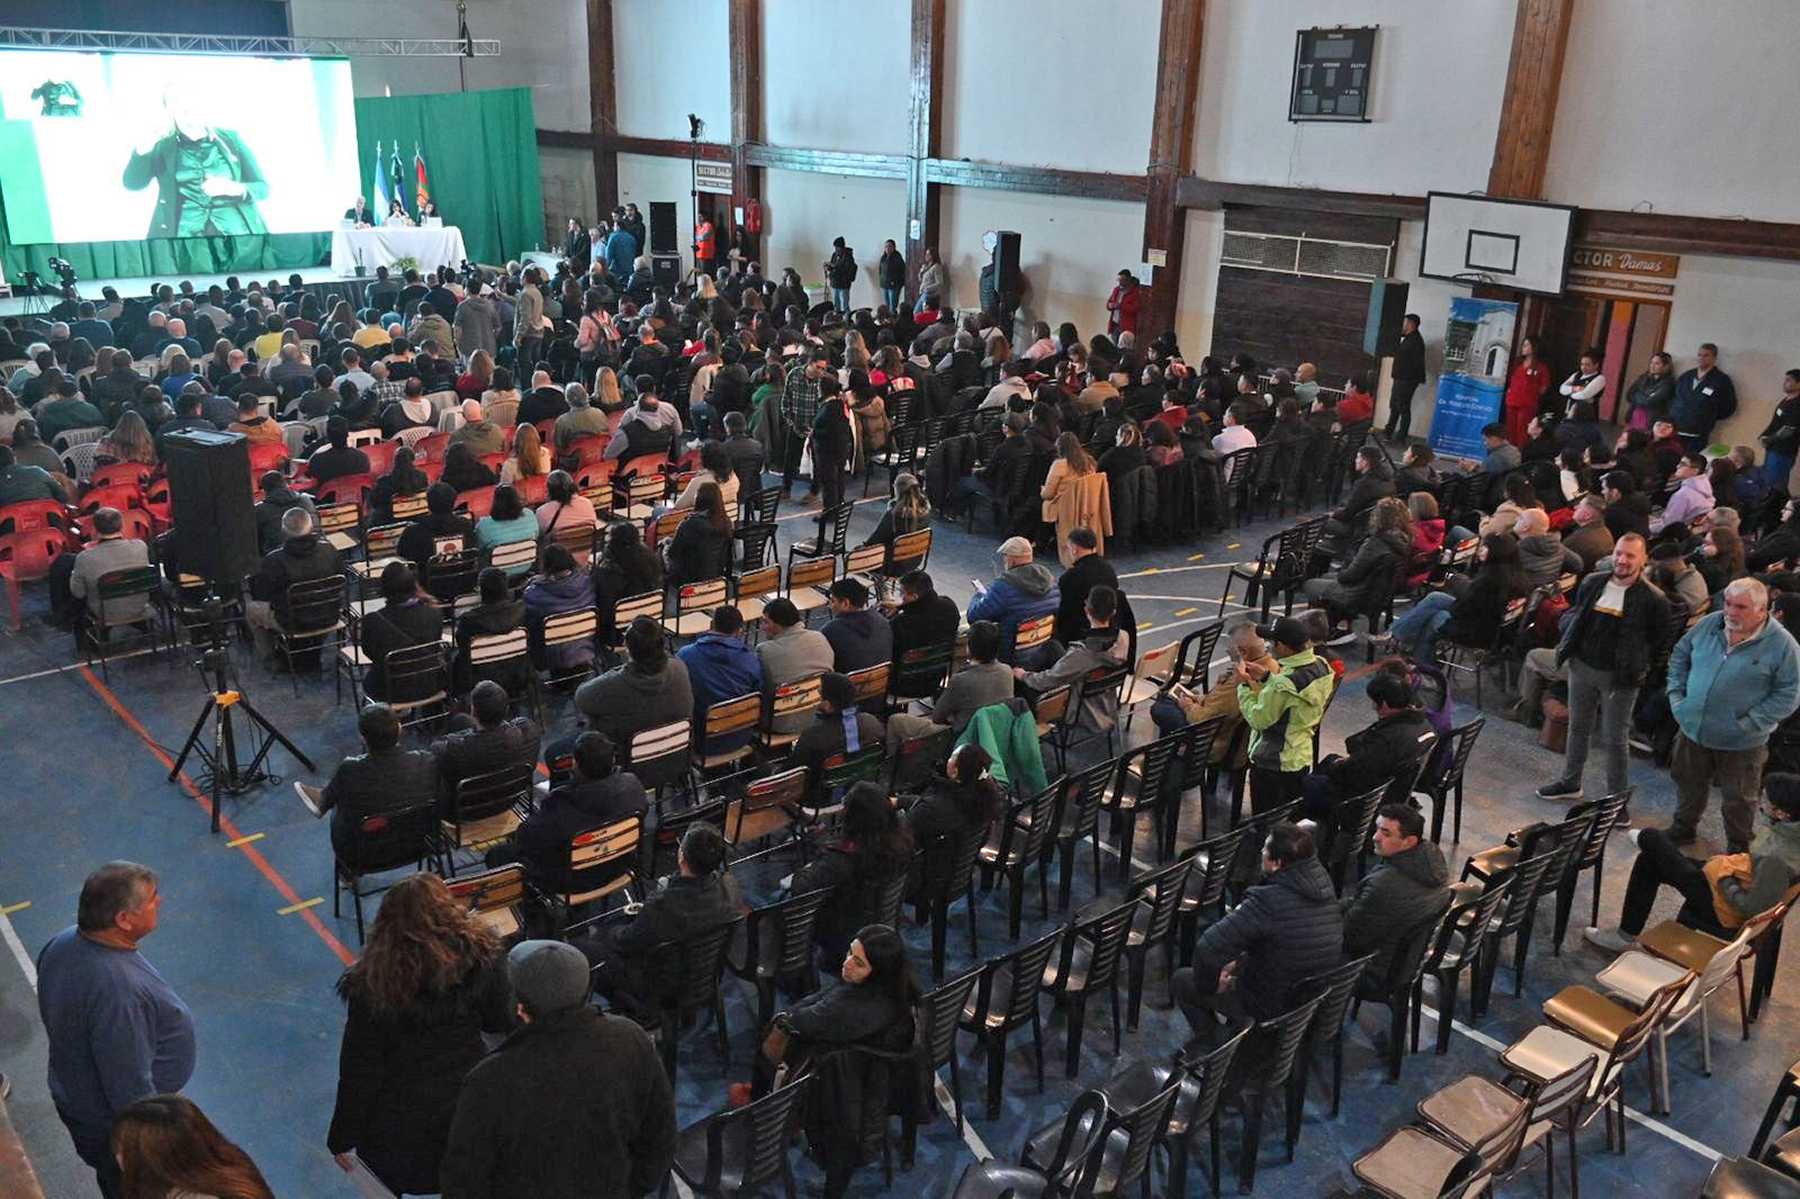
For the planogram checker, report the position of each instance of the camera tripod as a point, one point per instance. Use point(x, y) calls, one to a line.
point(220, 763)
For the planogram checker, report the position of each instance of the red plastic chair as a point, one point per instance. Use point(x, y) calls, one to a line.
point(493, 461)
point(135, 473)
point(27, 515)
point(477, 501)
point(432, 468)
point(589, 449)
point(547, 430)
point(115, 495)
point(431, 449)
point(533, 489)
point(381, 456)
point(267, 456)
point(26, 558)
point(158, 504)
point(345, 489)
point(645, 464)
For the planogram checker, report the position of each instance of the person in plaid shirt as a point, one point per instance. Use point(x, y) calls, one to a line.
point(799, 409)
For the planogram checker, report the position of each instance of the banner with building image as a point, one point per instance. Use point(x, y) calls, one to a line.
point(1477, 354)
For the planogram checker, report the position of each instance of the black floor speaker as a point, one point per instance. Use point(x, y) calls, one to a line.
point(665, 269)
point(663, 238)
point(210, 502)
point(1006, 262)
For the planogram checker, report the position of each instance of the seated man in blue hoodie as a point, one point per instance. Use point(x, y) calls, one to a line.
point(721, 667)
point(1023, 590)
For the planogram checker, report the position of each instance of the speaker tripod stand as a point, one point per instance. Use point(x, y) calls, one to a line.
point(220, 762)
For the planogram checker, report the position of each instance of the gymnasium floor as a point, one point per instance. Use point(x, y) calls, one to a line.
point(86, 780)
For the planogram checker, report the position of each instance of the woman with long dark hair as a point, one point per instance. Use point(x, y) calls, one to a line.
point(701, 547)
point(1525, 388)
point(430, 981)
point(876, 848)
point(168, 1149)
point(1471, 616)
point(626, 566)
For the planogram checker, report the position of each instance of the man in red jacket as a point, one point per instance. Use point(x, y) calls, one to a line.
point(1122, 305)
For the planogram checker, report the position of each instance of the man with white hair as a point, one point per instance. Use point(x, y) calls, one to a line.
point(1732, 679)
point(178, 336)
point(581, 420)
point(303, 557)
point(31, 367)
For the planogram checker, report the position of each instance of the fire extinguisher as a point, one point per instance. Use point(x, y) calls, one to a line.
point(753, 217)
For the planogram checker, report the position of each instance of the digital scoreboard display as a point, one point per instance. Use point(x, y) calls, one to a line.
point(1333, 69)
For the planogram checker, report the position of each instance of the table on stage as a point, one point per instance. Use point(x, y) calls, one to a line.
point(360, 251)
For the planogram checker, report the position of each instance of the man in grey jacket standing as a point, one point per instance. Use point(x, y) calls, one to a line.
point(1733, 678)
point(528, 320)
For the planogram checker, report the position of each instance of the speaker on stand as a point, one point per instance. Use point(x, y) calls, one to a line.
point(212, 506)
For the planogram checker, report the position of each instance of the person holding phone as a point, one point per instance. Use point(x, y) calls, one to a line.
point(207, 180)
point(1283, 705)
point(1180, 706)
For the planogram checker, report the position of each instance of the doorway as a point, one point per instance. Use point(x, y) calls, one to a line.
point(1626, 331)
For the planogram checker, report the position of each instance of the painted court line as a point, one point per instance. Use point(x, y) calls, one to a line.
point(235, 842)
point(43, 674)
point(970, 1137)
point(10, 908)
point(291, 908)
point(230, 828)
point(812, 514)
point(11, 936)
point(1170, 570)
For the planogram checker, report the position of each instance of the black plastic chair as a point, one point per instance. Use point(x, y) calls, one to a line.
point(1529, 881)
point(949, 874)
point(1203, 899)
point(1121, 1140)
point(1087, 961)
point(1445, 784)
point(1006, 998)
point(994, 1179)
point(1017, 842)
point(1147, 768)
point(776, 950)
point(1353, 819)
point(1158, 896)
point(1335, 989)
point(1202, 1078)
point(384, 841)
point(938, 1013)
point(1078, 819)
point(693, 970)
point(736, 1151)
point(1273, 1051)
point(1609, 813)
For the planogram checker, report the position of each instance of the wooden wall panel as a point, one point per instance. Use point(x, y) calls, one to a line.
point(1284, 319)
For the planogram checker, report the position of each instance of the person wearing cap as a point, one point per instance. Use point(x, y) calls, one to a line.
point(481, 435)
point(860, 636)
point(988, 480)
point(1282, 709)
point(572, 1103)
point(1024, 589)
point(696, 899)
point(1675, 576)
point(789, 652)
point(838, 726)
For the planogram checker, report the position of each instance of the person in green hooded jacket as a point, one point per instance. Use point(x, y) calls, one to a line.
point(1282, 709)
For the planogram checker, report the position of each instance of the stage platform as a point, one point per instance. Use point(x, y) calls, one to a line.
point(317, 280)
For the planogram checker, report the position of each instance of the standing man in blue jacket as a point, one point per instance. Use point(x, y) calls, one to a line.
point(1733, 678)
point(1704, 396)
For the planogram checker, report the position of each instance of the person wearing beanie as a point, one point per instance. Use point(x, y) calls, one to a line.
point(569, 1089)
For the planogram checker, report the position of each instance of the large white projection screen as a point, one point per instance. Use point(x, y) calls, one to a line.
point(124, 147)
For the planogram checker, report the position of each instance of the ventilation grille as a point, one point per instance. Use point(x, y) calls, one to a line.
point(1319, 257)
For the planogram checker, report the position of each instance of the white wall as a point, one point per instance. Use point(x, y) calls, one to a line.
point(1440, 71)
point(1199, 282)
point(1680, 105)
point(1746, 306)
point(643, 178)
point(1069, 250)
point(1063, 83)
point(803, 212)
point(670, 58)
point(835, 75)
point(1430, 298)
point(567, 177)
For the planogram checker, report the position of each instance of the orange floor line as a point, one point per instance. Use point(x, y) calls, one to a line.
point(249, 850)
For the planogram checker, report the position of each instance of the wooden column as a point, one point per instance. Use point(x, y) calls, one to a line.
point(1171, 153)
point(746, 115)
point(603, 103)
point(925, 129)
point(1528, 111)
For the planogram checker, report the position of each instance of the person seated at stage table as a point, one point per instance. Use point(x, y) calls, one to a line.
point(337, 459)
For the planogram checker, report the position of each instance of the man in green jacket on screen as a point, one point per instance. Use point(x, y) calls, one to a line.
point(1282, 710)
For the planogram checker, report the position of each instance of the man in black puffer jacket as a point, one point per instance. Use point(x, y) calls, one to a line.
point(1408, 888)
point(1287, 929)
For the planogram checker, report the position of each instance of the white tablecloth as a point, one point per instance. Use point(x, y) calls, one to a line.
point(360, 251)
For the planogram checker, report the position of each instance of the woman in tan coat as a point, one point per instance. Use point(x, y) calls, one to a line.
point(1074, 493)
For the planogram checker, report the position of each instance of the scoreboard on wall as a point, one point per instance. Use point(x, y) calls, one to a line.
point(1333, 70)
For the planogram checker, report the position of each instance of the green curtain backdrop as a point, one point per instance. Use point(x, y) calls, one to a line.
point(480, 155)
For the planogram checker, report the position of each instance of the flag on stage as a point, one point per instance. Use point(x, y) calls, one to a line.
point(424, 193)
point(382, 195)
point(395, 174)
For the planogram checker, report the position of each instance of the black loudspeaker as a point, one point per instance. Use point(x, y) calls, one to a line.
point(666, 270)
point(210, 502)
point(1387, 307)
point(1006, 262)
point(662, 228)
